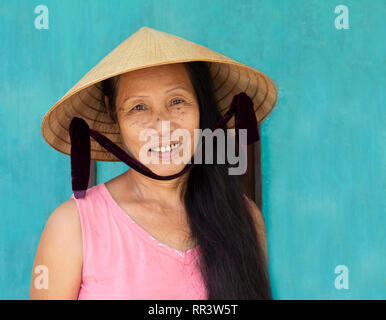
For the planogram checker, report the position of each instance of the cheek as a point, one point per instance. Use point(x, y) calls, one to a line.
point(134, 122)
point(192, 125)
point(130, 133)
point(189, 119)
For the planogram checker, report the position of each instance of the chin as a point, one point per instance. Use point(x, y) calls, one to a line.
point(167, 163)
point(166, 169)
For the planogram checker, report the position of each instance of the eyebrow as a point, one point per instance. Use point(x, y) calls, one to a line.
point(140, 96)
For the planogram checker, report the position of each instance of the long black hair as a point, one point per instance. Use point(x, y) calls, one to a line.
point(232, 262)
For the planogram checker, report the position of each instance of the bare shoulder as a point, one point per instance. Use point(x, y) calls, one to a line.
point(63, 226)
point(64, 219)
point(259, 222)
point(59, 254)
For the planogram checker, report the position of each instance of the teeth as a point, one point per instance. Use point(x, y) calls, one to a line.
point(167, 148)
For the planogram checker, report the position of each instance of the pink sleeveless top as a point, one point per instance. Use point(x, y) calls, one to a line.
point(121, 260)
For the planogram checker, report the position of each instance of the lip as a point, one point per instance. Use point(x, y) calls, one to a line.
point(166, 154)
point(162, 144)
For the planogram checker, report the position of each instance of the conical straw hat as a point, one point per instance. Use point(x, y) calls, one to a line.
point(145, 48)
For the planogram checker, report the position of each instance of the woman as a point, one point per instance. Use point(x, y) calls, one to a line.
point(134, 237)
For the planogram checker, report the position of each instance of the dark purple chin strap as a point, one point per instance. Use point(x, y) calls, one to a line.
point(80, 133)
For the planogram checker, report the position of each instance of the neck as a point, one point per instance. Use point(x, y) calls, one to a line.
point(162, 191)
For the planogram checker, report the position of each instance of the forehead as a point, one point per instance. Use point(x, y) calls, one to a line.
point(153, 77)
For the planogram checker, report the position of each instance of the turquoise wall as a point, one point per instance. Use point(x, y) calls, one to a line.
point(323, 154)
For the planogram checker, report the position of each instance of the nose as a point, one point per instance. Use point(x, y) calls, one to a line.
point(160, 115)
point(161, 123)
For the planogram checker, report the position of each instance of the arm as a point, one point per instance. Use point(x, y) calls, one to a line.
point(260, 225)
point(60, 256)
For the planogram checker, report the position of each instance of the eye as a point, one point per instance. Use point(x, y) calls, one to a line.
point(138, 107)
point(178, 100)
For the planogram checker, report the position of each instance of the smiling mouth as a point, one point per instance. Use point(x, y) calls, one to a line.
point(167, 148)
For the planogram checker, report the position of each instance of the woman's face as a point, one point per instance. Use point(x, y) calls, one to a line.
point(151, 104)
